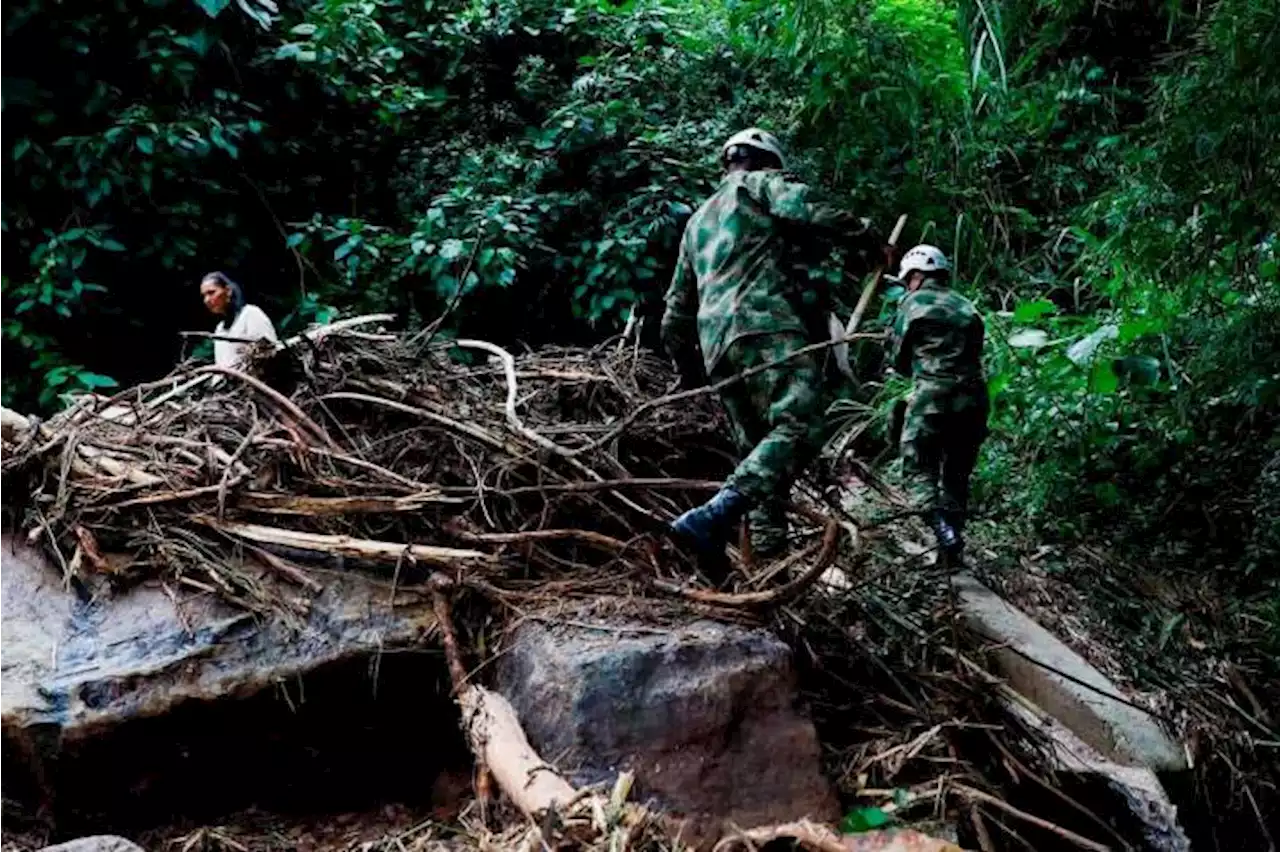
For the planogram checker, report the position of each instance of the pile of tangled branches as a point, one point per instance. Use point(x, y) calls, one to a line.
point(457, 466)
point(372, 447)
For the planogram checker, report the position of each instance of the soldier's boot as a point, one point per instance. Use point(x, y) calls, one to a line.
point(950, 542)
point(709, 526)
point(769, 530)
point(956, 518)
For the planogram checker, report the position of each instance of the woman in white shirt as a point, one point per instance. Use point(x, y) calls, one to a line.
point(247, 323)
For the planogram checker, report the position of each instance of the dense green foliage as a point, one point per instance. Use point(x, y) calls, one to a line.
point(1104, 175)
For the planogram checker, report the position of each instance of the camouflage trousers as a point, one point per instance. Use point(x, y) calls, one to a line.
point(942, 432)
point(777, 419)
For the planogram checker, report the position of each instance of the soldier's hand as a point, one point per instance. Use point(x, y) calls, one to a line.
point(890, 256)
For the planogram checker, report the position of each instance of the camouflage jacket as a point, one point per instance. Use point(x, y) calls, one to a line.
point(936, 339)
point(734, 276)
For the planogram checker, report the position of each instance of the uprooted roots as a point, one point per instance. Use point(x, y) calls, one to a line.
point(373, 448)
point(455, 465)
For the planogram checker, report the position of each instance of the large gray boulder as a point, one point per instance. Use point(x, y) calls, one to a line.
point(145, 686)
point(704, 714)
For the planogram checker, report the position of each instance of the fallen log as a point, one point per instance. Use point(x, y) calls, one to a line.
point(493, 731)
point(349, 547)
point(499, 742)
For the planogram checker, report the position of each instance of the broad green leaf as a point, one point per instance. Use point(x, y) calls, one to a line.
point(351, 244)
point(1032, 311)
point(451, 249)
point(213, 8)
point(145, 144)
point(996, 385)
point(1134, 329)
point(219, 139)
point(303, 29)
point(111, 245)
point(1103, 379)
point(863, 819)
point(96, 380)
point(1028, 338)
point(1107, 493)
point(295, 240)
point(1138, 369)
point(20, 149)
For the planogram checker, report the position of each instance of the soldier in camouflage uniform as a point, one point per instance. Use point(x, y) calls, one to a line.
point(735, 302)
point(936, 340)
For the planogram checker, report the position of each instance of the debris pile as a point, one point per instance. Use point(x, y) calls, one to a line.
point(488, 483)
point(374, 448)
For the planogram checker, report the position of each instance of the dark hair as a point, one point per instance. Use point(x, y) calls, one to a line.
point(237, 294)
point(751, 157)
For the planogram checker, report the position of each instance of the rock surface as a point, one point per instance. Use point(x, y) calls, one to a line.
point(1041, 667)
point(703, 714)
point(98, 843)
point(80, 665)
point(1136, 788)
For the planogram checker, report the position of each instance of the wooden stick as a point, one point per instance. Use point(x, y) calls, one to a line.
point(285, 504)
point(810, 835)
point(467, 429)
point(986, 798)
point(163, 497)
point(458, 677)
point(89, 462)
point(656, 484)
point(599, 540)
point(417, 487)
point(278, 399)
point(282, 567)
point(864, 301)
point(448, 635)
point(345, 545)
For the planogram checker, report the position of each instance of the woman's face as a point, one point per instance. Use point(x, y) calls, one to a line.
point(216, 296)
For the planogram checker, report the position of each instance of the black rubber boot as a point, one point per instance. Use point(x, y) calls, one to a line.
point(949, 541)
point(957, 522)
point(709, 526)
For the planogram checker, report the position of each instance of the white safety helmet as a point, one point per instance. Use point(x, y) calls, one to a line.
point(761, 140)
point(922, 259)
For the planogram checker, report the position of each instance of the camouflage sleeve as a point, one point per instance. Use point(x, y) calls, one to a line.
point(801, 203)
point(680, 319)
point(899, 348)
